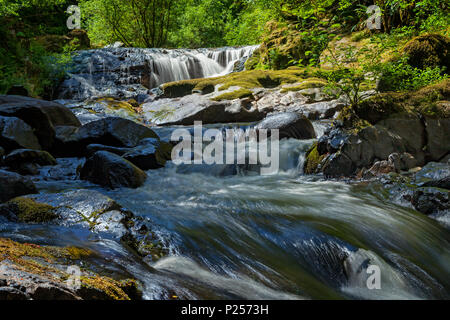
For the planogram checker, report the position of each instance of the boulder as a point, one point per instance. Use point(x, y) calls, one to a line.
point(110, 170)
point(186, 110)
point(150, 154)
point(14, 133)
point(438, 133)
point(289, 124)
point(91, 210)
point(25, 161)
point(112, 131)
point(38, 272)
point(431, 200)
point(14, 185)
point(41, 115)
point(428, 50)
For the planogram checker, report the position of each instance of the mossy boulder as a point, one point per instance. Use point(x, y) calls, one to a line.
point(32, 271)
point(428, 50)
point(429, 101)
point(237, 94)
point(249, 79)
point(27, 210)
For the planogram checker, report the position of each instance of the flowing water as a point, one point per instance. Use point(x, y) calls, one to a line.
point(238, 234)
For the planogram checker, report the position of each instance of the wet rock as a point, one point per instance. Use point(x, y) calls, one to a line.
point(432, 173)
point(14, 133)
point(98, 213)
point(110, 170)
point(93, 148)
point(27, 210)
point(34, 272)
point(112, 131)
point(186, 110)
point(13, 185)
point(290, 125)
point(150, 154)
point(25, 161)
point(41, 115)
point(431, 200)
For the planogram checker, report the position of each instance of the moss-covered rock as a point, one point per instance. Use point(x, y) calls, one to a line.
point(28, 210)
point(43, 273)
point(306, 84)
point(428, 101)
point(237, 94)
point(313, 159)
point(249, 79)
point(428, 50)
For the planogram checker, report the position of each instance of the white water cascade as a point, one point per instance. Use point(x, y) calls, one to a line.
point(128, 72)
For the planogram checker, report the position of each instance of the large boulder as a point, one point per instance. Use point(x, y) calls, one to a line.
point(289, 124)
point(14, 133)
point(110, 170)
point(14, 185)
point(195, 107)
point(90, 210)
point(112, 131)
point(428, 50)
point(30, 271)
point(41, 115)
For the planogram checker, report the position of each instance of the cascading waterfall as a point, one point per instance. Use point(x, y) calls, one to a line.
point(128, 72)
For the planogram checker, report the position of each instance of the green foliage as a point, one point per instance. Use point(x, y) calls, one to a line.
point(139, 23)
point(401, 76)
point(355, 70)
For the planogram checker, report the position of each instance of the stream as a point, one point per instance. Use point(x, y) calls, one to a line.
point(249, 236)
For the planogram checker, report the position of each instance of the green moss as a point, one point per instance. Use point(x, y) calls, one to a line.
point(238, 94)
point(76, 253)
point(313, 159)
point(307, 84)
point(28, 210)
point(429, 101)
point(179, 88)
point(428, 50)
point(245, 80)
point(26, 257)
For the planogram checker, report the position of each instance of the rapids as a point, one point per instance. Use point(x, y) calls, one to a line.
point(243, 235)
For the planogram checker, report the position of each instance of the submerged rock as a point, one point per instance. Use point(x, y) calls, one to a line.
point(290, 125)
point(14, 185)
point(112, 171)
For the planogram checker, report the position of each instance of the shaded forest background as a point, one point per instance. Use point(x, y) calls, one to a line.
point(34, 35)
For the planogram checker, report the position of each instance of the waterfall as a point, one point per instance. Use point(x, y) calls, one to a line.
point(128, 72)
